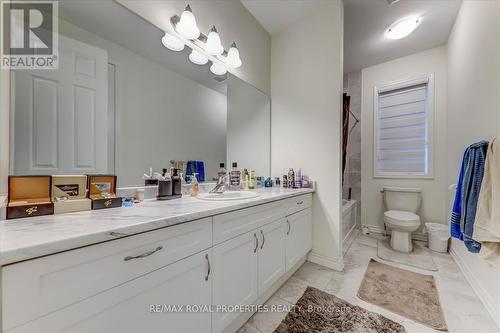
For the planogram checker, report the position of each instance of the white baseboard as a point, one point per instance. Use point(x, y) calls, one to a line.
point(333, 263)
point(380, 230)
point(484, 296)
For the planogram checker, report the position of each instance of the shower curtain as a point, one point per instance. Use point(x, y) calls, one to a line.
point(345, 130)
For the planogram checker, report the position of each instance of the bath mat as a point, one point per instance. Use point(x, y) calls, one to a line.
point(420, 257)
point(406, 293)
point(317, 311)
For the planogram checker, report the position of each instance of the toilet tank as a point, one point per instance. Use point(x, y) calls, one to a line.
point(402, 198)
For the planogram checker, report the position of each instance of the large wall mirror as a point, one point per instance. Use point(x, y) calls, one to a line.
point(121, 103)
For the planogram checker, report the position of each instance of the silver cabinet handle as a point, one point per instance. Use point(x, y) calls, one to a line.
point(256, 243)
point(300, 202)
point(144, 255)
point(209, 268)
point(263, 239)
point(289, 227)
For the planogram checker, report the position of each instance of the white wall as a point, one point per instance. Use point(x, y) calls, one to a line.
point(306, 92)
point(474, 114)
point(233, 22)
point(417, 65)
point(248, 127)
point(160, 115)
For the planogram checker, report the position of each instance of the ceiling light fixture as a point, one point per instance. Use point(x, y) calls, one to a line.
point(186, 27)
point(402, 28)
point(198, 58)
point(233, 56)
point(214, 45)
point(218, 69)
point(172, 43)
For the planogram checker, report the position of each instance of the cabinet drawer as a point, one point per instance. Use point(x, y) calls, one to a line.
point(229, 225)
point(298, 203)
point(133, 307)
point(39, 286)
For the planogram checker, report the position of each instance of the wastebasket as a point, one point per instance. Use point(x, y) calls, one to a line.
point(438, 236)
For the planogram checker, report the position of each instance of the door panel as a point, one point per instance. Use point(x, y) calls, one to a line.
point(298, 236)
point(59, 117)
point(235, 276)
point(271, 254)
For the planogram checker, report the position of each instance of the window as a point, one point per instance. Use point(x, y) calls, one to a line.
point(403, 122)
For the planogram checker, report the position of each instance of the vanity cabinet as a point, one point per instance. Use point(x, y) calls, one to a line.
point(298, 236)
point(144, 282)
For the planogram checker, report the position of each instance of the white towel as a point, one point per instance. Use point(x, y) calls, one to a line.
point(487, 222)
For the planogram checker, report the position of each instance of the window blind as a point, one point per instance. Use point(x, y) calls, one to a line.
point(402, 133)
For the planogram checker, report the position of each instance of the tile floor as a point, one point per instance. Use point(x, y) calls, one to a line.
point(463, 311)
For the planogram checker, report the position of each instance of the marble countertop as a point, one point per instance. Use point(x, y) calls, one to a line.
point(28, 238)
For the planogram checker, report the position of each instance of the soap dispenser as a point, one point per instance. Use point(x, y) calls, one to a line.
point(195, 186)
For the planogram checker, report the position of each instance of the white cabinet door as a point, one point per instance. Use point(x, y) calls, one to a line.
point(60, 116)
point(235, 276)
point(298, 236)
point(141, 305)
point(271, 254)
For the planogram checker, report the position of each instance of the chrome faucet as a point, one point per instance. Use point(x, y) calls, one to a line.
point(221, 185)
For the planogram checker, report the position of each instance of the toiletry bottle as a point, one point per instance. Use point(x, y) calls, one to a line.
point(298, 179)
point(176, 183)
point(195, 186)
point(277, 182)
point(285, 181)
point(235, 177)
point(268, 182)
point(222, 171)
point(291, 178)
point(251, 181)
point(164, 187)
point(243, 182)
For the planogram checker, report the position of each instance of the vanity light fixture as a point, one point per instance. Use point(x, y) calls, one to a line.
point(214, 45)
point(172, 43)
point(218, 69)
point(403, 27)
point(187, 27)
point(198, 58)
point(204, 48)
point(233, 56)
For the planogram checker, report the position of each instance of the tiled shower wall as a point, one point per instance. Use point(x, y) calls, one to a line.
point(352, 175)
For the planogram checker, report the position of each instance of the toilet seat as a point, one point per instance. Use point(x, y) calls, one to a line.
point(401, 218)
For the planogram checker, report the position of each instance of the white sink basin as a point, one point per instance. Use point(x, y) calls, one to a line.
point(228, 195)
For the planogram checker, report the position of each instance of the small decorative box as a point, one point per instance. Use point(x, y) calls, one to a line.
point(102, 191)
point(69, 193)
point(29, 196)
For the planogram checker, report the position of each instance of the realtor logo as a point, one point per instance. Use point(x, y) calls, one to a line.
point(29, 38)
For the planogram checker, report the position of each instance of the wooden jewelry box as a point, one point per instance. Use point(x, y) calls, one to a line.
point(102, 191)
point(69, 193)
point(29, 196)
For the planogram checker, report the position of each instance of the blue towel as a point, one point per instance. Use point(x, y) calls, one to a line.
point(466, 197)
point(456, 212)
point(195, 167)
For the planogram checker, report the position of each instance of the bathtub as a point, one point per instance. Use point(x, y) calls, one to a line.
point(349, 222)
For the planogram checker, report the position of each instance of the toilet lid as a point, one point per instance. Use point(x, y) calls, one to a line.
point(401, 216)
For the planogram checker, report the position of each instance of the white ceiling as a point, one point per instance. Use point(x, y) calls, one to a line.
point(276, 15)
point(366, 20)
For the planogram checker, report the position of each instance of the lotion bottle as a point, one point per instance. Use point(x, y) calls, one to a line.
point(235, 177)
point(195, 186)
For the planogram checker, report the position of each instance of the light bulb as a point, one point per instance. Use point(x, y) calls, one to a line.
point(402, 28)
point(233, 56)
point(198, 58)
point(218, 69)
point(186, 26)
point(213, 45)
point(172, 43)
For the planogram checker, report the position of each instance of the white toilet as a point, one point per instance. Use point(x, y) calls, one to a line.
point(402, 205)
